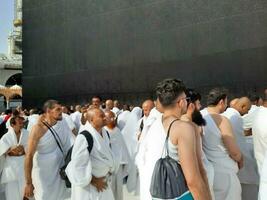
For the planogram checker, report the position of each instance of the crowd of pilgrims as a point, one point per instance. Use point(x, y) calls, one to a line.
point(221, 148)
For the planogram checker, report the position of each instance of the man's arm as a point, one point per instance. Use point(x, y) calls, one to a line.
point(33, 140)
point(230, 141)
point(186, 140)
point(199, 157)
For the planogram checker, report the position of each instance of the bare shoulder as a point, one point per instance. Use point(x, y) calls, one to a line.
point(37, 131)
point(181, 128)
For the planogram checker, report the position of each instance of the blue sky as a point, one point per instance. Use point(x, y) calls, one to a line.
point(6, 20)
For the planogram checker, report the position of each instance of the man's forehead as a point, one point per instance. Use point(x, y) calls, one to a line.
point(56, 106)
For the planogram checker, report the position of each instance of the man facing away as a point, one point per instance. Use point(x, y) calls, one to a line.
point(220, 147)
point(182, 139)
point(44, 157)
point(248, 175)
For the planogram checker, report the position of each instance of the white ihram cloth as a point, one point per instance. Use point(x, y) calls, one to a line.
point(47, 161)
point(103, 164)
point(121, 155)
point(248, 175)
point(129, 133)
point(32, 120)
point(263, 181)
point(2, 188)
point(76, 118)
point(122, 119)
point(79, 170)
point(117, 111)
point(71, 126)
point(249, 117)
point(259, 130)
point(154, 146)
point(141, 158)
point(13, 166)
point(226, 184)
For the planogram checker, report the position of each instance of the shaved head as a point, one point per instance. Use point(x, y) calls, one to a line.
point(242, 105)
point(92, 112)
point(110, 119)
point(233, 102)
point(147, 106)
point(109, 104)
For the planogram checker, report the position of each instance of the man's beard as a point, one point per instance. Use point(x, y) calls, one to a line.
point(197, 118)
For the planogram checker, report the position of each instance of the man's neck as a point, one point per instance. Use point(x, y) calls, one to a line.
point(172, 112)
point(17, 131)
point(50, 121)
point(98, 129)
point(111, 126)
point(188, 116)
point(214, 110)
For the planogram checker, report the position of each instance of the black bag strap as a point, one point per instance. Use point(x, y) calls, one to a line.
point(141, 125)
point(108, 138)
point(167, 137)
point(89, 139)
point(54, 133)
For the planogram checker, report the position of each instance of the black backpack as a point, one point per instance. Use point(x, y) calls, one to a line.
point(62, 172)
point(168, 181)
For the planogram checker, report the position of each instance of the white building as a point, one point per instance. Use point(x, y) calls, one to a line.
point(11, 64)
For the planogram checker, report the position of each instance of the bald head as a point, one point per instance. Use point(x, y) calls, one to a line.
point(110, 118)
point(242, 105)
point(109, 104)
point(78, 108)
point(147, 107)
point(96, 118)
point(233, 102)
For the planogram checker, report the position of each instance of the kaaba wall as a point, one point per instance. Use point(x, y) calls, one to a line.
point(73, 49)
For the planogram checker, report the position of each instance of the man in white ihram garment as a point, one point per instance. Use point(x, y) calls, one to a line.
point(193, 115)
point(122, 119)
point(100, 164)
point(147, 106)
point(120, 153)
point(248, 175)
point(129, 133)
point(45, 155)
point(249, 117)
point(145, 171)
point(221, 148)
point(263, 180)
point(32, 119)
point(259, 129)
point(12, 149)
point(260, 134)
point(76, 116)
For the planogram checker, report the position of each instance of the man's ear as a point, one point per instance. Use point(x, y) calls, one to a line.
point(192, 106)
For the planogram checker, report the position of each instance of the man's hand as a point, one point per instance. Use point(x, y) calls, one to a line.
point(99, 183)
point(28, 191)
point(16, 151)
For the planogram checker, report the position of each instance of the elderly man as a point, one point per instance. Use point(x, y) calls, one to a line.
point(120, 153)
point(100, 164)
point(248, 175)
point(147, 106)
